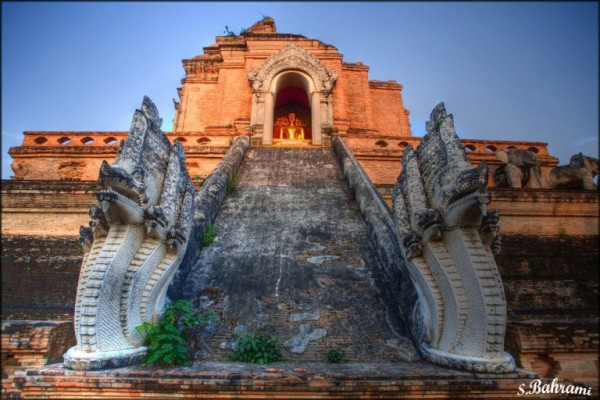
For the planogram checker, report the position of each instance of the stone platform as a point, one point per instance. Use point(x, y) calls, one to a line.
point(216, 380)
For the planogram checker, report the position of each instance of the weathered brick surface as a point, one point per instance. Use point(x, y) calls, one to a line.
point(75, 161)
point(31, 344)
point(39, 277)
point(379, 154)
point(539, 212)
point(275, 381)
point(46, 208)
point(39, 281)
point(546, 212)
point(551, 286)
point(389, 114)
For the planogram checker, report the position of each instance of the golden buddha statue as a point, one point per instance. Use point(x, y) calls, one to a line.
point(292, 126)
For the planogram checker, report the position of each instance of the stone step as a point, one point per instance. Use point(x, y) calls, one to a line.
point(292, 258)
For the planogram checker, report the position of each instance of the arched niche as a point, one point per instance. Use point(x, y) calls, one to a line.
point(292, 67)
point(291, 92)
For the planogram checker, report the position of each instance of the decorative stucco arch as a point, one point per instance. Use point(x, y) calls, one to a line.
point(265, 83)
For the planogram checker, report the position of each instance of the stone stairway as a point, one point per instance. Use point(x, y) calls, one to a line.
point(292, 258)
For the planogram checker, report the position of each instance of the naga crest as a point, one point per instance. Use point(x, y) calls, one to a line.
point(447, 239)
point(138, 234)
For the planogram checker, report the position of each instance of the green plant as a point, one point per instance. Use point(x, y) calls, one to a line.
point(231, 185)
point(210, 233)
point(258, 348)
point(336, 356)
point(167, 339)
point(344, 178)
point(242, 31)
point(227, 32)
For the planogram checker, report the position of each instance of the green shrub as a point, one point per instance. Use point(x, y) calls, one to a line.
point(229, 33)
point(167, 340)
point(231, 185)
point(209, 235)
point(258, 348)
point(336, 356)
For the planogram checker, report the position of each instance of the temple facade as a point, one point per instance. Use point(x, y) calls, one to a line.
point(255, 80)
point(286, 91)
point(282, 90)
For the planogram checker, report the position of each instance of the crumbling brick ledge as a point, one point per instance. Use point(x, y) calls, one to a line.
point(220, 380)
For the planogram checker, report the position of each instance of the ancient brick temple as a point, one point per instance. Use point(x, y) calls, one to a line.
point(255, 84)
point(285, 91)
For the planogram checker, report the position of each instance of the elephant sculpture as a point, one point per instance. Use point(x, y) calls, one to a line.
point(579, 174)
point(521, 168)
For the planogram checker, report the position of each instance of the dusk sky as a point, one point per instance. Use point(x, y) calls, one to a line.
point(506, 71)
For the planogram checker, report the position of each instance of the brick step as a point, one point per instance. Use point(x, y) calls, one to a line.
point(282, 381)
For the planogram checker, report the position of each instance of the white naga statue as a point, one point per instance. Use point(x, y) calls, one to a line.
point(137, 237)
point(448, 238)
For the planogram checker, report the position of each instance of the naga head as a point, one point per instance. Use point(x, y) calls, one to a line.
point(135, 180)
point(122, 195)
point(453, 187)
point(127, 184)
point(465, 197)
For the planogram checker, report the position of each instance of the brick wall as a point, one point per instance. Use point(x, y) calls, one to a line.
point(551, 287)
point(546, 212)
point(389, 115)
point(539, 212)
point(66, 156)
point(39, 277)
point(46, 208)
point(32, 344)
point(39, 282)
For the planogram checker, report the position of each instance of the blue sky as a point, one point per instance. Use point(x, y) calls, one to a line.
point(507, 71)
